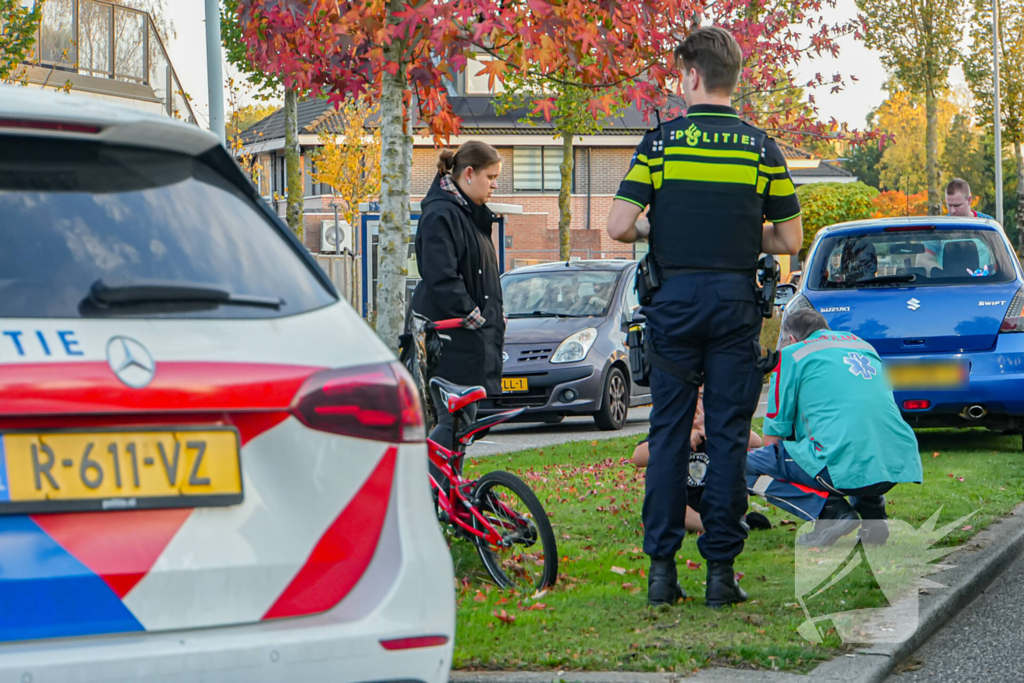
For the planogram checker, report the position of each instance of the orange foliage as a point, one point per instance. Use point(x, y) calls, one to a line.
point(894, 203)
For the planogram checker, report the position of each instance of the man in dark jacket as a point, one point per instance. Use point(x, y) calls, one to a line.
point(459, 267)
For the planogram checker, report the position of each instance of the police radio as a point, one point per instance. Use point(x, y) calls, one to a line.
point(768, 275)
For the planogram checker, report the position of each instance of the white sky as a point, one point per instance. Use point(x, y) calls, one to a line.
point(188, 55)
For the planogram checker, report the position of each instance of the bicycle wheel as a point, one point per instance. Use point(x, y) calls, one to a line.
point(511, 507)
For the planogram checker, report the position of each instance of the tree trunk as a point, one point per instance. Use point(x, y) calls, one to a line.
point(932, 152)
point(565, 199)
point(1018, 152)
point(395, 183)
point(293, 163)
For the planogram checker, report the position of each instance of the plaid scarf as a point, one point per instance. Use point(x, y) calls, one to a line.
point(448, 185)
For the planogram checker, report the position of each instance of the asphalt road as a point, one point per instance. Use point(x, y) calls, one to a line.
point(507, 438)
point(985, 642)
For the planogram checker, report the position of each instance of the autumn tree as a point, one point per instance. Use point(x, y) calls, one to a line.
point(18, 26)
point(919, 42)
point(402, 52)
point(572, 110)
point(893, 203)
point(978, 70)
point(268, 85)
point(348, 160)
point(903, 118)
point(825, 204)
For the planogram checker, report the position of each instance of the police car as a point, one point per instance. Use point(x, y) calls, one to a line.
point(210, 467)
point(940, 299)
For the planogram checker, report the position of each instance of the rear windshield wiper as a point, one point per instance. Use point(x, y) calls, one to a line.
point(887, 279)
point(131, 293)
point(545, 314)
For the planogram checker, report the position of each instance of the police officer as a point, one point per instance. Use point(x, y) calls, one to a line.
point(713, 183)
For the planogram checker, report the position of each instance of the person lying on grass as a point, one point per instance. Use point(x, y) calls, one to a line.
point(698, 468)
point(832, 431)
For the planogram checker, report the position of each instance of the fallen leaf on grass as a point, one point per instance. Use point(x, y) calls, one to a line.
point(936, 454)
point(505, 617)
point(479, 597)
point(627, 585)
point(503, 601)
point(539, 594)
point(787, 522)
point(593, 443)
point(966, 528)
point(536, 605)
point(738, 576)
point(621, 571)
point(690, 564)
point(959, 478)
point(950, 474)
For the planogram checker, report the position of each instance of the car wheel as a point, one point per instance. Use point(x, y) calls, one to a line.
point(614, 403)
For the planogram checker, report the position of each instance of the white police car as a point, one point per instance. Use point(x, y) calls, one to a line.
point(210, 468)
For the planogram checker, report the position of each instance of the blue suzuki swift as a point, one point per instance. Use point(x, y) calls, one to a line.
point(940, 299)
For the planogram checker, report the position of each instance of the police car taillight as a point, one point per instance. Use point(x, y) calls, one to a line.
point(1013, 321)
point(60, 126)
point(377, 402)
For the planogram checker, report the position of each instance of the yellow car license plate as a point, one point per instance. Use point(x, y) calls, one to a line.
point(118, 470)
point(928, 375)
point(513, 384)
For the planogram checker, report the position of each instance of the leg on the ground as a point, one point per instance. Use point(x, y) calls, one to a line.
point(874, 529)
point(781, 482)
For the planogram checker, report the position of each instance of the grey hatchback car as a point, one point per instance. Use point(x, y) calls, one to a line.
point(565, 343)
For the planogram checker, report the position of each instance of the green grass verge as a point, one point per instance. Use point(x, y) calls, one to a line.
point(597, 619)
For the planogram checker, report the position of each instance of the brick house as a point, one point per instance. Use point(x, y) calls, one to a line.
point(530, 172)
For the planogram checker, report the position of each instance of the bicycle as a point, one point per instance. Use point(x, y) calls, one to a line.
point(499, 513)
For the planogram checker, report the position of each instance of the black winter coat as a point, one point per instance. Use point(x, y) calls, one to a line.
point(460, 272)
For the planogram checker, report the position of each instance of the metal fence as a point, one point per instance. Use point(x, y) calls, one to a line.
point(106, 40)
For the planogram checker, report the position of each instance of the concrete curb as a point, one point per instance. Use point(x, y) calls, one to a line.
point(975, 566)
point(982, 558)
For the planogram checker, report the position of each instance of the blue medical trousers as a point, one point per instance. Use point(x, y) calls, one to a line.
point(707, 322)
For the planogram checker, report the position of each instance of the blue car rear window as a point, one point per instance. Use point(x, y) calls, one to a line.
point(75, 213)
point(932, 257)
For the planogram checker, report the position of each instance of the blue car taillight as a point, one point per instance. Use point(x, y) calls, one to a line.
point(1013, 321)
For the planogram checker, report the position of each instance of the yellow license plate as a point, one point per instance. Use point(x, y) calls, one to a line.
point(77, 471)
point(512, 384)
point(940, 375)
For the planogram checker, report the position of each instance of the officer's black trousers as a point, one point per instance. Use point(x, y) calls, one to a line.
point(706, 322)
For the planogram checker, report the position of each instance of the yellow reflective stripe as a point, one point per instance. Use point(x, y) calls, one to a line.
point(631, 201)
point(639, 174)
point(656, 177)
point(715, 153)
point(761, 183)
point(781, 188)
point(711, 173)
point(656, 161)
point(771, 169)
point(641, 157)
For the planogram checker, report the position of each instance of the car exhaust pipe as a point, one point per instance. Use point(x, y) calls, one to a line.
point(974, 412)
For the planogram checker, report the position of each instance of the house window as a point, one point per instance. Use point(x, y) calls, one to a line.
point(477, 85)
point(536, 169)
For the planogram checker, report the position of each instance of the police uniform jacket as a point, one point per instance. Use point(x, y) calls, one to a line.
point(711, 181)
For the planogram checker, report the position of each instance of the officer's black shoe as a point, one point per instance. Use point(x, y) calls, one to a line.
point(757, 521)
point(663, 583)
point(837, 519)
point(722, 588)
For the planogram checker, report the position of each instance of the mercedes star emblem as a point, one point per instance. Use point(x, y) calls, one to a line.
point(130, 361)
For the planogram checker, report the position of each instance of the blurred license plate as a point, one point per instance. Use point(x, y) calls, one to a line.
point(513, 384)
point(76, 471)
point(933, 375)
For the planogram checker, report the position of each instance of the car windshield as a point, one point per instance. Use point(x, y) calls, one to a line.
point(575, 293)
point(917, 258)
point(97, 230)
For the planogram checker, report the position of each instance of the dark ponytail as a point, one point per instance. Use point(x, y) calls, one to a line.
point(473, 154)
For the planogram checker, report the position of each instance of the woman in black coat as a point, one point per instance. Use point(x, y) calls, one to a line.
point(460, 271)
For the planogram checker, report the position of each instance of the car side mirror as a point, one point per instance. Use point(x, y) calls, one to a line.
point(783, 293)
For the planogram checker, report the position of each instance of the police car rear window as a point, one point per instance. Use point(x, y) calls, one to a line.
point(916, 258)
point(74, 214)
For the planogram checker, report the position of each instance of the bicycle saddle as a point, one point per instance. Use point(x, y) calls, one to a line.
point(456, 396)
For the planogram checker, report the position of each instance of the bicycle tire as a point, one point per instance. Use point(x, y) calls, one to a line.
point(523, 568)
